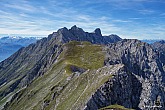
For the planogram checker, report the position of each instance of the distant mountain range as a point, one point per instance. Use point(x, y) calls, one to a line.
point(10, 44)
point(151, 41)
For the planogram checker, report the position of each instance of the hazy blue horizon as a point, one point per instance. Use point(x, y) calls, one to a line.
point(22, 35)
point(42, 36)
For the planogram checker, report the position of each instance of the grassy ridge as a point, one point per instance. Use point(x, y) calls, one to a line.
point(61, 88)
point(83, 54)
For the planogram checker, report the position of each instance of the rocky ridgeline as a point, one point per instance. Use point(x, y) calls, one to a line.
point(65, 35)
point(132, 74)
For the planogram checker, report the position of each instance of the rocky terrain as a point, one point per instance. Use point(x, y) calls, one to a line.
point(144, 62)
point(76, 70)
point(160, 48)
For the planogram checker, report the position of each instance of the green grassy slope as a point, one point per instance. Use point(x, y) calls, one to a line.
point(64, 87)
point(83, 54)
point(61, 86)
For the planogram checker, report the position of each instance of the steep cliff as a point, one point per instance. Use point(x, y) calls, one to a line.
point(160, 48)
point(142, 60)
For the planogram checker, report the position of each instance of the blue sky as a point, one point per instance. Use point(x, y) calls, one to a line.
point(141, 19)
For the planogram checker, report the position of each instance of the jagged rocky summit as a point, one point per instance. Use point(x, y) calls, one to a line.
point(76, 70)
point(65, 35)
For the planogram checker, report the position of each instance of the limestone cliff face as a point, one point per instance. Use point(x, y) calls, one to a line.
point(160, 48)
point(146, 65)
point(123, 89)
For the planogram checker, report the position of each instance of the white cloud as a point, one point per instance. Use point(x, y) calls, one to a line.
point(162, 14)
point(24, 23)
point(146, 11)
point(122, 21)
point(135, 18)
point(59, 15)
point(21, 7)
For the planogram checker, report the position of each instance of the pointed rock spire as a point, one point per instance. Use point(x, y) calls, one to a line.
point(98, 32)
point(74, 27)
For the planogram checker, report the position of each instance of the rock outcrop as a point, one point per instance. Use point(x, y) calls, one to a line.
point(123, 89)
point(160, 48)
point(142, 60)
point(78, 34)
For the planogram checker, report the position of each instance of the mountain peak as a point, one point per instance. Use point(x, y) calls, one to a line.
point(98, 32)
point(162, 41)
point(62, 29)
point(76, 29)
point(78, 34)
